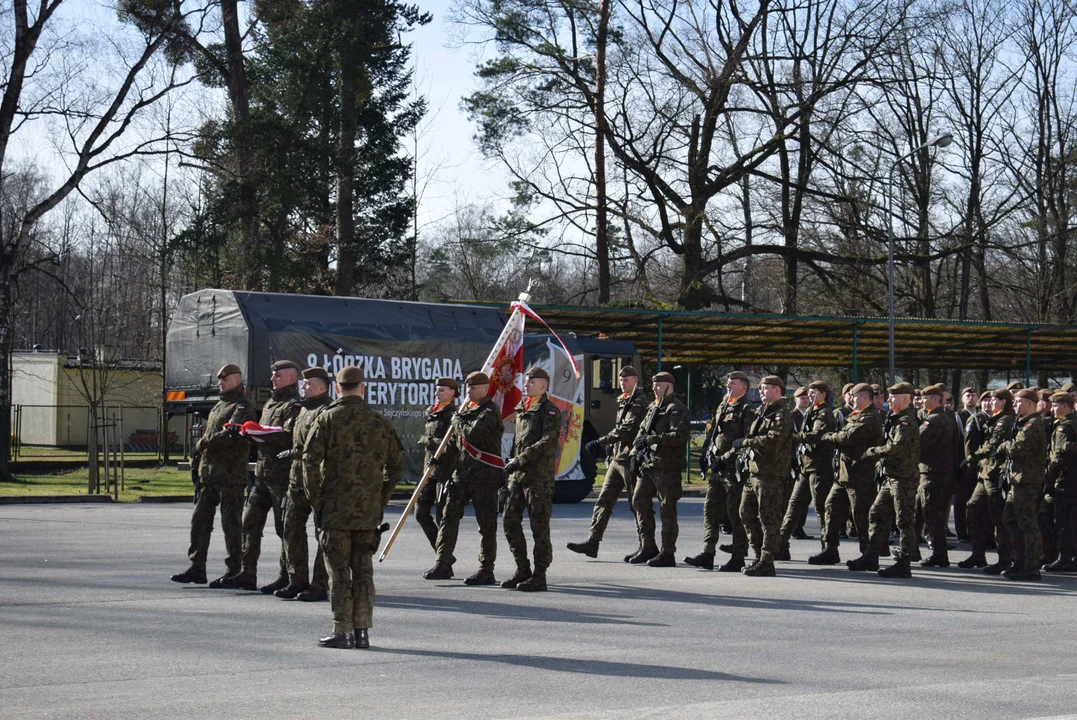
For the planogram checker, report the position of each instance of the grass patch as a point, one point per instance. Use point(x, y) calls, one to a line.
point(75, 456)
point(163, 480)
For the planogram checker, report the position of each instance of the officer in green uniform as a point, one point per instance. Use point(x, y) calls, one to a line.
point(986, 505)
point(352, 461)
point(937, 447)
point(658, 453)
point(531, 475)
point(731, 422)
point(438, 422)
point(1061, 495)
point(896, 500)
point(271, 477)
point(631, 407)
point(1024, 457)
point(222, 457)
point(296, 506)
point(477, 431)
point(855, 489)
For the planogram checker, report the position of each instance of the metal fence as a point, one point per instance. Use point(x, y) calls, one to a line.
point(64, 431)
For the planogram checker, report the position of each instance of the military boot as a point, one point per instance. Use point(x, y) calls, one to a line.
point(996, 569)
point(589, 548)
point(342, 641)
point(647, 553)
point(761, 568)
point(242, 581)
point(219, 582)
point(704, 560)
point(535, 583)
point(829, 556)
point(362, 639)
point(278, 584)
point(783, 554)
point(726, 548)
point(1056, 566)
point(190, 575)
point(866, 562)
point(313, 594)
point(662, 560)
point(940, 561)
point(735, 564)
point(485, 576)
point(629, 556)
point(1023, 573)
point(521, 574)
point(973, 561)
point(290, 591)
point(440, 571)
point(900, 569)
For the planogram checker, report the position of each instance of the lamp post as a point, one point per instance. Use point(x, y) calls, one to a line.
point(688, 450)
point(941, 141)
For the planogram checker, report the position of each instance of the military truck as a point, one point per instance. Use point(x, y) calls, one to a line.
point(403, 347)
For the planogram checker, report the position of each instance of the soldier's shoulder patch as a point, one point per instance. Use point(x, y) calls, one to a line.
point(904, 422)
point(486, 410)
point(553, 412)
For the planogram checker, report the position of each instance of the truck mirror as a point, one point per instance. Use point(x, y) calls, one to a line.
point(596, 404)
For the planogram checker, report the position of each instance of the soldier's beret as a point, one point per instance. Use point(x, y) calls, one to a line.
point(350, 375)
point(901, 388)
point(316, 372)
point(819, 385)
point(984, 395)
point(448, 382)
point(773, 380)
point(1002, 394)
point(738, 375)
point(227, 370)
point(932, 390)
point(1045, 395)
point(877, 388)
point(1068, 387)
point(863, 387)
point(968, 389)
point(845, 390)
point(283, 365)
point(800, 392)
point(628, 371)
point(663, 377)
point(1062, 397)
point(1026, 394)
point(537, 373)
point(477, 378)
point(1015, 385)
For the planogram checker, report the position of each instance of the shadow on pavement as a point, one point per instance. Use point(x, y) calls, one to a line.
point(508, 610)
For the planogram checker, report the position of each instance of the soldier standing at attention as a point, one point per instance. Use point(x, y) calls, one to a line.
point(937, 440)
point(972, 419)
point(297, 506)
point(223, 467)
point(1025, 454)
point(477, 431)
point(438, 422)
point(855, 490)
point(270, 479)
point(896, 499)
point(1062, 481)
point(352, 462)
point(816, 467)
point(660, 444)
point(769, 443)
point(731, 422)
point(631, 407)
point(531, 475)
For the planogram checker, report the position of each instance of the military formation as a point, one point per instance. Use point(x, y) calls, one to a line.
point(873, 464)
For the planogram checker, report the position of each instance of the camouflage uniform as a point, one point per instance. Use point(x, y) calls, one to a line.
point(438, 422)
point(731, 422)
point(986, 505)
point(966, 480)
point(297, 506)
point(223, 471)
point(769, 444)
point(855, 489)
point(271, 478)
point(937, 440)
point(1026, 453)
point(480, 426)
point(1062, 485)
point(630, 412)
point(816, 473)
point(660, 476)
point(351, 463)
point(896, 499)
point(538, 426)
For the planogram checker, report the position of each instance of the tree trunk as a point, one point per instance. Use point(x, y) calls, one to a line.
point(692, 294)
point(6, 303)
point(345, 218)
point(602, 250)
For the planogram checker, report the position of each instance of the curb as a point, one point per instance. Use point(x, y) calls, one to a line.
point(166, 499)
point(54, 499)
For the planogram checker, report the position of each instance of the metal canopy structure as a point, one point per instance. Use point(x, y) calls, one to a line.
point(715, 338)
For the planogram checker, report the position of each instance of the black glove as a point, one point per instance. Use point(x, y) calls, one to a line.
point(434, 461)
point(232, 431)
point(738, 443)
point(284, 455)
point(593, 447)
point(639, 444)
point(512, 465)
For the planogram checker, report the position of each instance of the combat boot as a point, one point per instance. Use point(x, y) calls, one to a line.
point(866, 562)
point(485, 576)
point(278, 584)
point(829, 556)
point(938, 561)
point(996, 569)
point(535, 583)
point(704, 561)
point(1058, 565)
point(362, 639)
point(289, 592)
point(589, 548)
point(219, 582)
point(313, 595)
point(1023, 573)
point(662, 560)
point(647, 553)
point(629, 556)
point(761, 568)
point(242, 581)
point(973, 561)
point(1071, 566)
point(783, 554)
point(735, 564)
point(726, 548)
point(521, 574)
point(440, 571)
point(342, 641)
point(190, 575)
point(900, 569)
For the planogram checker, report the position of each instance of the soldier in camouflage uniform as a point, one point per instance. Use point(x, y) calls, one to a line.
point(937, 446)
point(430, 505)
point(816, 467)
point(352, 461)
point(1024, 455)
point(660, 444)
point(631, 407)
point(297, 506)
point(855, 489)
point(222, 457)
point(769, 444)
point(731, 422)
point(531, 475)
point(1061, 495)
point(896, 500)
point(986, 505)
point(1046, 514)
point(972, 418)
point(271, 478)
point(477, 431)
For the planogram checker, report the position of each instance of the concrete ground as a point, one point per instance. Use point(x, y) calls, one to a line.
point(91, 627)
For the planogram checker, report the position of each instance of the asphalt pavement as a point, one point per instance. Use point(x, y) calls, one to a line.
point(91, 627)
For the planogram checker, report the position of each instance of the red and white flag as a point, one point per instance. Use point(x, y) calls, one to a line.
point(254, 430)
point(506, 368)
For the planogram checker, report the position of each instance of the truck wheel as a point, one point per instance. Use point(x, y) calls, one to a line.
point(571, 491)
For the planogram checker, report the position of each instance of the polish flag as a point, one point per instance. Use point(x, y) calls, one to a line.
point(506, 370)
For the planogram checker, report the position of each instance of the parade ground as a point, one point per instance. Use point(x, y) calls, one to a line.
point(91, 627)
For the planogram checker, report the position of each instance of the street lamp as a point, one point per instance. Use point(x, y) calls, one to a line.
point(940, 142)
